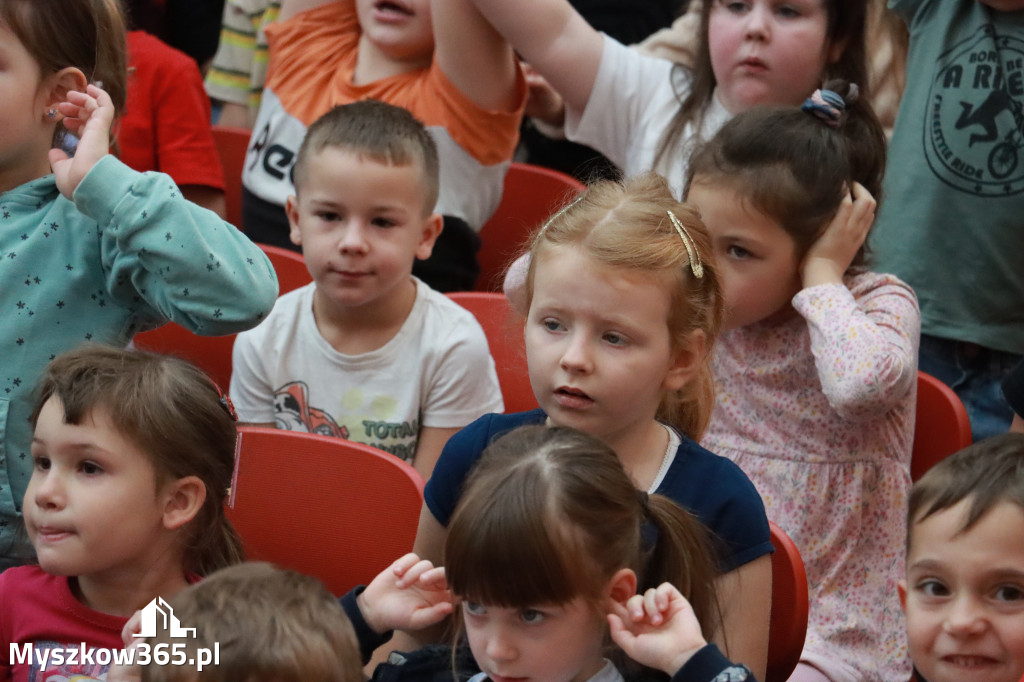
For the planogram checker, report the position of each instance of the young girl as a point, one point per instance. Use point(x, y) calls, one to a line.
point(816, 368)
point(641, 112)
point(133, 455)
point(622, 309)
point(546, 547)
point(93, 251)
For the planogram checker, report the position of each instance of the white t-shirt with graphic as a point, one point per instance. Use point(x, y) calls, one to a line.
point(435, 372)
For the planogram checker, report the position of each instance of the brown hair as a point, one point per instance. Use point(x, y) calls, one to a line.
point(268, 624)
point(846, 22)
point(86, 34)
point(383, 132)
point(626, 225)
point(548, 514)
point(987, 473)
point(174, 413)
point(793, 167)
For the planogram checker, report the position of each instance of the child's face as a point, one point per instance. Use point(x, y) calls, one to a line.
point(546, 643)
point(92, 506)
point(768, 51)
point(401, 29)
point(361, 225)
point(964, 595)
point(597, 344)
point(757, 262)
point(24, 134)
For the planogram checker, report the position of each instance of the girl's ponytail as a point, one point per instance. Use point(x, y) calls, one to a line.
point(684, 556)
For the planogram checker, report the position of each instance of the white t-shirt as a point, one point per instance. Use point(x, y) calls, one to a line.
point(633, 101)
point(436, 372)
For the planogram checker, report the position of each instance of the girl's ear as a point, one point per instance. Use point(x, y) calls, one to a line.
point(59, 84)
point(687, 361)
point(622, 586)
point(184, 498)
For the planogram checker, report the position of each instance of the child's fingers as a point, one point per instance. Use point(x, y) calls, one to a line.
point(651, 607)
point(404, 563)
point(434, 579)
point(635, 608)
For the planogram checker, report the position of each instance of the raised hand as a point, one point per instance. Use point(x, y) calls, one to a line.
point(657, 628)
point(89, 115)
point(829, 257)
point(407, 595)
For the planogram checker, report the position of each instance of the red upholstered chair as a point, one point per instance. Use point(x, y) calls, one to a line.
point(505, 339)
point(788, 626)
point(530, 195)
point(290, 267)
point(327, 507)
point(941, 427)
point(232, 147)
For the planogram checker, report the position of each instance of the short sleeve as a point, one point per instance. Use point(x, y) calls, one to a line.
point(251, 392)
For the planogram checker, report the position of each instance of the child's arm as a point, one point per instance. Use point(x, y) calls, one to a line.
point(157, 248)
point(745, 594)
point(429, 444)
point(659, 630)
point(865, 348)
point(474, 57)
point(554, 39)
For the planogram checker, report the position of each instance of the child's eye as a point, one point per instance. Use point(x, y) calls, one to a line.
point(90, 468)
point(41, 463)
point(615, 339)
point(933, 588)
point(473, 609)
point(552, 325)
point(329, 216)
point(532, 616)
point(383, 222)
point(735, 7)
point(788, 11)
point(1009, 593)
point(738, 252)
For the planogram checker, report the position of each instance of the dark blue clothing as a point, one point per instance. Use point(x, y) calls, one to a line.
point(710, 487)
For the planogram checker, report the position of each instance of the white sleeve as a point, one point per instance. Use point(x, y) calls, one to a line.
point(251, 391)
point(463, 384)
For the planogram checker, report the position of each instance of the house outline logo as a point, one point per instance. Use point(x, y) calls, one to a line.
point(159, 608)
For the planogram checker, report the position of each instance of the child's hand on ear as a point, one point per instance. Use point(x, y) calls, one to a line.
point(829, 257)
point(410, 594)
point(657, 628)
point(88, 115)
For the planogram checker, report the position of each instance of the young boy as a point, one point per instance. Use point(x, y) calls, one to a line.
point(366, 352)
point(264, 623)
point(964, 590)
point(437, 58)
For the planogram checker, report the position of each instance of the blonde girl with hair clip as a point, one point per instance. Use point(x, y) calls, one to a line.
point(816, 367)
point(548, 546)
point(623, 308)
point(91, 250)
point(132, 458)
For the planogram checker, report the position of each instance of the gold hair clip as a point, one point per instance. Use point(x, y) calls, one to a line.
point(691, 246)
point(554, 217)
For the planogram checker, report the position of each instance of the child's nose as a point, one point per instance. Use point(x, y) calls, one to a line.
point(577, 355)
point(353, 238)
point(500, 646)
point(966, 616)
point(757, 21)
point(49, 491)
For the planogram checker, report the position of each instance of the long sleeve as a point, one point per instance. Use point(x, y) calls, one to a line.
point(864, 340)
point(187, 263)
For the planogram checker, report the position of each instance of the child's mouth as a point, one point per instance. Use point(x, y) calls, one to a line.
point(391, 8)
point(573, 398)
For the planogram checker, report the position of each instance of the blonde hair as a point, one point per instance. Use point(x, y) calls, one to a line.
point(268, 624)
point(627, 225)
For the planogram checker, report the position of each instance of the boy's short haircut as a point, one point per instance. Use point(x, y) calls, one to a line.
point(381, 131)
point(269, 624)
point(988, 472)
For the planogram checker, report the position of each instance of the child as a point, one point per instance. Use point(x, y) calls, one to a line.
point(951, 225)
point(133, 455)
point(816, 367)
point(545, 549)
point(964, 589)
point(623, 307)
point(94, 251)
point(367, 351)
point(641, 112)
point(438, 59)
point(267, 624)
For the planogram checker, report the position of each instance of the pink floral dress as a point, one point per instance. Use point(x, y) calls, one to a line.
point(818, 409)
